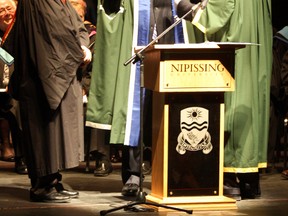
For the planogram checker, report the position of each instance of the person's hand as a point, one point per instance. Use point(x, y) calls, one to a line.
point(176, 2)
point(204, 4)
point(87, 54)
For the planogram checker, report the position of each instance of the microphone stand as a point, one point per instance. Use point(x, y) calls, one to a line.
point(141, 196)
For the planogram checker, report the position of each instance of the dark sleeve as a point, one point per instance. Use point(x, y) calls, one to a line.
point(79, 24)
point(282, 104)
point(48, 45)
point(83, 35)
point(284, 72)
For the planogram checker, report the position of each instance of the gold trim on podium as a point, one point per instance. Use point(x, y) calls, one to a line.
point(195, 202)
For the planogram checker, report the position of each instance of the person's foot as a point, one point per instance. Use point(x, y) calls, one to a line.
point(20, 166)
point(146, 168)
point(8, 159)
point(103, 168)
point(233, 192)
point(60, 189)
point(7, 153)
point(131, 187)
point(116, 158)
point(284, 174)
point(48, 195)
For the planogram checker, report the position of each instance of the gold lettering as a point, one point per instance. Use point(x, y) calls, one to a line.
point(174, 67)
point(194, 68)
point(220, 68)
point(202, 67)
point(212, 68)
point(186, 66)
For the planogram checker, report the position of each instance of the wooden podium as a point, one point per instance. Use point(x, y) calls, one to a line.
point(188, 84)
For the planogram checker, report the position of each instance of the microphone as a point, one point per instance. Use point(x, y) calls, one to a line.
point(183, 6)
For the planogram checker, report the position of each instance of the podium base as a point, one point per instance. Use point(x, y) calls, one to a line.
point(195, 202)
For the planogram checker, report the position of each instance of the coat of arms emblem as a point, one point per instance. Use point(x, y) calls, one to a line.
point(194, 136)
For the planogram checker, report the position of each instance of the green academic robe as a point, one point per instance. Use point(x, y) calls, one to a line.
point(109, 88)
point(247, 108)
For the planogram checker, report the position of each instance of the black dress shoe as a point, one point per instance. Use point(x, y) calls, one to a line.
point(146, 168)
point(48, 195)
point(284, 174)
point(103, 168)
point(60, 189)
point(232, 192)
point(8, 159)
point(71, 194)
point(130, 189)
point(20, 166)
point(116, 159)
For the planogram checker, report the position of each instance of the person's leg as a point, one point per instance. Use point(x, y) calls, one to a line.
point(100, 138)
point(249, 184)
point(274, 132)
point(130, 170)
point(16, 134)
point(116, 153)
point(53, 141)
point(7, 151)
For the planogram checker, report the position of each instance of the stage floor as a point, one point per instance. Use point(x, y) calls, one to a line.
point(104, 193)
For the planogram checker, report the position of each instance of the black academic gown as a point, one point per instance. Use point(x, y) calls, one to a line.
point(47, 50)
point(161, 15)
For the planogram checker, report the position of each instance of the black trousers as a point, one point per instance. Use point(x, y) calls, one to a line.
point(130, 162)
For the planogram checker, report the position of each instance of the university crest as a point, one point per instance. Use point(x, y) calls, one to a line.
point(194, 136)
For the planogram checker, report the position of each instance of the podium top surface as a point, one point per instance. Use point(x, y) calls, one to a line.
point(206, 45)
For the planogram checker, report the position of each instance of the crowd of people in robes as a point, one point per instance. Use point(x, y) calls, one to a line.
point(58, 89)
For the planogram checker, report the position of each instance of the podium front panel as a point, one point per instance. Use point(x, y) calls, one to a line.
point(193, 145)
